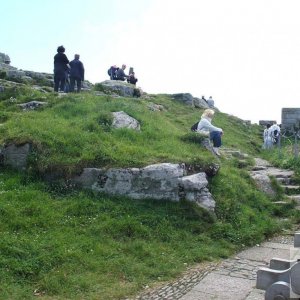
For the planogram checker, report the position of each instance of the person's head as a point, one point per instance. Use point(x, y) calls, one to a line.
point(268, 126)
point(61, 49)
point(76, 56)
point(123, 67)
point(208, 113)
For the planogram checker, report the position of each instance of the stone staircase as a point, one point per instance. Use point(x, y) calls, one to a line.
point(261, 173)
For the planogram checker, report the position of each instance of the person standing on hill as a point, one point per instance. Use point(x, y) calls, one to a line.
point(215, 133)
point(60, 69)
point(76, 73)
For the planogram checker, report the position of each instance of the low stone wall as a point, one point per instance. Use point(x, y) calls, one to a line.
point(290, 118)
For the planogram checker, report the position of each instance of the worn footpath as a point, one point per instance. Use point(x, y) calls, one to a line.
point(235, 277)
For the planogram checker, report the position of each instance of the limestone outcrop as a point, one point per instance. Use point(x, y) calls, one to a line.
point(164, 181)
point(123, 120)
point(118, 87)
point(188, 99)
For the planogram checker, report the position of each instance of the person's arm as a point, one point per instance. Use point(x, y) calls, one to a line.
point(81, 71)
point(204, 124)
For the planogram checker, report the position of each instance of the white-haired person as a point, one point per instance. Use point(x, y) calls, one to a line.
point(215, 133)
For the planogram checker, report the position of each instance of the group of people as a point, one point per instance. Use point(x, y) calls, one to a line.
point(271, 135)
point(67, 73)
point(116, 73)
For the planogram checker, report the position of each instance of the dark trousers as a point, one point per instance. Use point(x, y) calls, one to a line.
point(215, 136)
point(59, 81)
point(72, 84)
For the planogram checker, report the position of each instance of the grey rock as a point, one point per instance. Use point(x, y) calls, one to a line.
point(16, 156)
point(164, 181)
point(15, 74)
point(119, 87)
point(123, 120)
point(32, 105)
point(185, 98)
point(200, 103)
point(263, 182)
point(155, 107)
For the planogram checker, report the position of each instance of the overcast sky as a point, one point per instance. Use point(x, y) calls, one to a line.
point(245, 54)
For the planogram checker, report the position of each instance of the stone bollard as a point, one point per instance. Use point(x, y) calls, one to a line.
point(281, 280)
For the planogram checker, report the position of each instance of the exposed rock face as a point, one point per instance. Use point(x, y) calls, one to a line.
point(155, 107)
point(161, 182)
point(188, 99)
point(122, 120)
point(32, 105)
point(121, 88)
point(16, 156)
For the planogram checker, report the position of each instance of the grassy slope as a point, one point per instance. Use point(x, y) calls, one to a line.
point(76, 245)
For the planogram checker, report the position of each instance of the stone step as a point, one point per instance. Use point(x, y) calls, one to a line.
point(281, 203)
point(295, 198)
point(279, 173)
point(291, 188)
point(284, 180)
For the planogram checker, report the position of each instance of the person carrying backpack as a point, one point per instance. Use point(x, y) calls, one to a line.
point(112, 72)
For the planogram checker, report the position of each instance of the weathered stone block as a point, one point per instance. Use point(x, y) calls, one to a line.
point(16, 156)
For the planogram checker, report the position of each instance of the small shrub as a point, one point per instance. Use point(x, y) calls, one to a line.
point(105, 121)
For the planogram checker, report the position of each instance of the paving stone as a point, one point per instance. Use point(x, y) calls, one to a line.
point(276, 245)
point(224, 286)
point(256, 295)
point(264, 254)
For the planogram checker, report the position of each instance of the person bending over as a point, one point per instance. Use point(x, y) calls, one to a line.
point(121, 74)
point(215, 133)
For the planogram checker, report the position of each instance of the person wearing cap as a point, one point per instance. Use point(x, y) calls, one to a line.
point(76, 73)
point(60, 69)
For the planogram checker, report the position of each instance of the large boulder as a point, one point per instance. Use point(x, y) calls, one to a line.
point(188, 99)
point(164, 181)
point(118, 87)
point(123, 120)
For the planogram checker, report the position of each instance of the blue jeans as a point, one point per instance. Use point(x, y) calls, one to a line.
point(215, 136)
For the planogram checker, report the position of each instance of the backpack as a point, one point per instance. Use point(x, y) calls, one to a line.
point(194, 127)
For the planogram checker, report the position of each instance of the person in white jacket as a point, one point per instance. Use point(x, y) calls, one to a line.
point(215, 133)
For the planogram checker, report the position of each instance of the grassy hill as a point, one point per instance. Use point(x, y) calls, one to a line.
point(62, 243)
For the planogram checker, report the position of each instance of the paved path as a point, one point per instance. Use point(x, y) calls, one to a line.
point(233, 278)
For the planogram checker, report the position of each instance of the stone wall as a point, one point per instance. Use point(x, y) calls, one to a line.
point(266, 122)
point(290, 117)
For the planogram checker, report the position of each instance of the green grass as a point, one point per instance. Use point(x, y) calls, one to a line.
point(85, 246)
point(60, 243)
point(75, 131)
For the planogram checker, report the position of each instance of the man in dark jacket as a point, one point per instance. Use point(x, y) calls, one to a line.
point(60, 69)
point(76, 73)
point(121, 74)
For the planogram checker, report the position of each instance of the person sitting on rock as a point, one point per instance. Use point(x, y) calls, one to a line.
point(215, 133)
point(132, 79)
point(121, 74)
point(112, 72)
point(60, 69)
